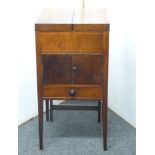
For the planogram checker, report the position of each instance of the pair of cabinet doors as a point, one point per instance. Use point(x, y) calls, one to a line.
point(72, 68)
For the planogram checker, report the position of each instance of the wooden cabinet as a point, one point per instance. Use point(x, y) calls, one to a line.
point(72, 61)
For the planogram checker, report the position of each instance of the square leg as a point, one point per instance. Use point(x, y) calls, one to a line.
point(51, 110)
point(47, 109)
point(104, 122)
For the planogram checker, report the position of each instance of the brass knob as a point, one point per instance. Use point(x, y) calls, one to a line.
point(72, 92)
point(74, 68)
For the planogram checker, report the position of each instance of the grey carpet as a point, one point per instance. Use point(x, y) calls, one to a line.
point(77, 133)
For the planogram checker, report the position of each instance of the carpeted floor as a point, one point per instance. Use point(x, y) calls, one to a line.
point(77, 133)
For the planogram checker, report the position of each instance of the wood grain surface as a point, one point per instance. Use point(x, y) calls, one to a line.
point(72, 20)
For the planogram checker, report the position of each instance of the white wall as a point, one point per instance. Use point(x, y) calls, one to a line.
point(122, 54)
point(122, 67)
point(27, 90)
point(121, 59)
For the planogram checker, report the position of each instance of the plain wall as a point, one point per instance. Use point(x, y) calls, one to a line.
point(122, 57)
point(122, 61)
point(122, 71)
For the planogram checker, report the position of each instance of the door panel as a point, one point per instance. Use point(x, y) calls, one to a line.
point(57, 69)
point(87, 69)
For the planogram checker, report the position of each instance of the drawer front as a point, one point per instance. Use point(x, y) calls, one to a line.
point(71, 42)
point(72, 92)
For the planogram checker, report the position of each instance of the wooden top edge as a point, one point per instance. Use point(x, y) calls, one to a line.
point(70, 27)
point(72, 20)
point(90, 16)
point(55, 16)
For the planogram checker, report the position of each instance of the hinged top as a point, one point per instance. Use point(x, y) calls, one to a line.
point(72, 20)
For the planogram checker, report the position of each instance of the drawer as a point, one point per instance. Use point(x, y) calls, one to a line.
point(72, 92)
point(59, 42)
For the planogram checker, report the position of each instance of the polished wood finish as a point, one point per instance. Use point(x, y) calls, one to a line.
point(57, 69)
point(81, 92)
point(72, 20)
point(90, 20)
point(69, 42)
point(55, 20)
point(65, 69)
point(39, 90)
point(72, 61)
point(89, 73)
point(105, 87)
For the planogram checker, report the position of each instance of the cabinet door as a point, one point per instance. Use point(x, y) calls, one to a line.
point(87, 69)
point(57, 69)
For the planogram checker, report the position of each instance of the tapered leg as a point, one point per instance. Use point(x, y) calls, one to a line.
point(47, 110)
point(104, 121)
point(51, 110)
point(40, 116)
point(99, 111)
